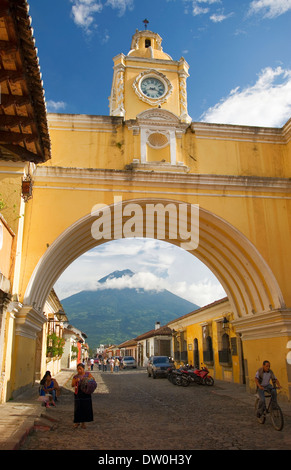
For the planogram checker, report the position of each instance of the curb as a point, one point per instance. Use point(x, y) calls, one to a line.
point(36, 421)
point(19, 437)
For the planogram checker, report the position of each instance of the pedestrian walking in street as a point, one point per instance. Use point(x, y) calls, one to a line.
point(83, 410)
point(116, 364)
point(111, 364)
point(104, 364)
point(92, 363)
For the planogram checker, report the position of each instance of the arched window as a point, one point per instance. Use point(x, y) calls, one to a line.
point(225, 341)
point(224, 353)
point(196, 361)
point(208, 352)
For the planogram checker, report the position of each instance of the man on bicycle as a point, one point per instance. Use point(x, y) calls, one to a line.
point(262, 379)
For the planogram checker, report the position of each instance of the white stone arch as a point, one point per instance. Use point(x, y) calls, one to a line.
point(245, 276)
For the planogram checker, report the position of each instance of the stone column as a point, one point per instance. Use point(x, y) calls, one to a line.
point(119, 91)
point(183, 75)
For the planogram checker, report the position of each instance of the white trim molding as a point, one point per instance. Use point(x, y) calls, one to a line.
point(269, 324)
point(28, 321)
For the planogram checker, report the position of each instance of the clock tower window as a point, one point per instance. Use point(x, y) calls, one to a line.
point(147, 43)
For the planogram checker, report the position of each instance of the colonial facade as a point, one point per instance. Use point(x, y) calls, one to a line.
point(207, 337)
point(24, 142)
point(156, 342)
point(76, 349)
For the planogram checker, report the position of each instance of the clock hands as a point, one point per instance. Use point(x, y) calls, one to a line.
point(152, 87)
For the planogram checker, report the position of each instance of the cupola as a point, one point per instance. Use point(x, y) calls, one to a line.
point(147, 44)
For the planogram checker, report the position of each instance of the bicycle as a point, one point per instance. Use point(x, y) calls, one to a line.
point(271, 408)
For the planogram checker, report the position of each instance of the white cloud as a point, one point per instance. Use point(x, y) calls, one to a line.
point(266, 103)
point(157, 265)
point(83, 12)
point(219, 17)
point(120, 5)
point(197, 10)
point(141, 280)
point(55, 106)
point(270, 8)
point(200, 293)
point(199, 7)
point(208, 2)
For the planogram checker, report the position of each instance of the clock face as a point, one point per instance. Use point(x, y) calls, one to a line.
point(152, 87)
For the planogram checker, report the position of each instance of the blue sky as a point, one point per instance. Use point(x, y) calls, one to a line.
point(238, 52)
point(240, 73)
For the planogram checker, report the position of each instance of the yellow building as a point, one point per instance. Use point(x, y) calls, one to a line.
point(24, 142)
point(207, 336)
point(222, 192)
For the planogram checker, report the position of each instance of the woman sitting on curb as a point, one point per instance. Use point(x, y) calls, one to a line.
point(49, 386)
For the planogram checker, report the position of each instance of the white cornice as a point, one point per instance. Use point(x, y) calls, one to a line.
point(203, 130)
point(275, 323)
point(175, 179)
point(28, 322)
point(83, 122)
point(147, 60)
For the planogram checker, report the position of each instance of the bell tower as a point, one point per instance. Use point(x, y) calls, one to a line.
point(148, 78)
point(149, 93)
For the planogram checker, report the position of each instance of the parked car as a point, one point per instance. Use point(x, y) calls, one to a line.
point(128, 361)
point(158, 366)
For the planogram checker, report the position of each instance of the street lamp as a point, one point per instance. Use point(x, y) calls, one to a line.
point(225, 323)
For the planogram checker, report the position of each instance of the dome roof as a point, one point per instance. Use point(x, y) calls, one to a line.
point(147, 44)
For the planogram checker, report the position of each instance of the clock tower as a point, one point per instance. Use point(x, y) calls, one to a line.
point(148, 78)
point(149, 93)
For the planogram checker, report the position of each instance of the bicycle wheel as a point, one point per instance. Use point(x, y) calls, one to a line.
point(277, 417)
point(262, 418)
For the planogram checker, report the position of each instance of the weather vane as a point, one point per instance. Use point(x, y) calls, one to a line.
point(146, 22)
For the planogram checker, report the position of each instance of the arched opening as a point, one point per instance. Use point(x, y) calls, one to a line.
point(247, 280)
point(233, 259)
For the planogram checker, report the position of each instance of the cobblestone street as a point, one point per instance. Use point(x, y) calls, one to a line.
point(134, 412)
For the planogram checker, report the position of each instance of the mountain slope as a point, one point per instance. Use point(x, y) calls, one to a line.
point(111, 316)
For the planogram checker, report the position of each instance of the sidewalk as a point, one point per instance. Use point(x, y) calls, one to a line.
point(20, 416)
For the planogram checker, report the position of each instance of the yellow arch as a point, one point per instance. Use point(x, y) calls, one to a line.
point(247, 279)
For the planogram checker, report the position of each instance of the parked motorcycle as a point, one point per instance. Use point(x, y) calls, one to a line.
point(199, 376)
point(175, 376)
point(204, 374)
point(188, 376)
